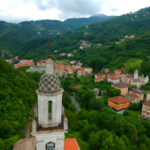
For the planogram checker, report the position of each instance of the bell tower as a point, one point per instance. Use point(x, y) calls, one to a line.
point(48, 127)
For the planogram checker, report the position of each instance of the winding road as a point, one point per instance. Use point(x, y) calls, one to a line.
point(74, 101)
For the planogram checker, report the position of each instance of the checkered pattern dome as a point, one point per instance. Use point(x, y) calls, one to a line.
point(49, 83)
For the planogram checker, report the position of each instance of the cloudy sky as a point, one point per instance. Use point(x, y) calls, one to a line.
point(21, 10)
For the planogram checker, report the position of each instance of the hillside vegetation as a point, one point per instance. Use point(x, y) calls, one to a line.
point(17, 97)
point(130, 54)
point(13, 36)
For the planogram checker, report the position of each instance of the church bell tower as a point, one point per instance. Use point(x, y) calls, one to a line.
point(48, 128)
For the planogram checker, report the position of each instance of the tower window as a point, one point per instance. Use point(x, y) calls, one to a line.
point(50, 110)
point(50, 146)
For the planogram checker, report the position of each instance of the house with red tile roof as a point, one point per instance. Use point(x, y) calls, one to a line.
point(134, 98)
point(118, 103)
point(59, 67)
point(41, 63)
point(138, 92)
point(80, 72)
point(71, 70)
point(112, 78)
point(9, 60)
point(24, 62)
point(99, 77)
point(75, 67)
point(117, 72)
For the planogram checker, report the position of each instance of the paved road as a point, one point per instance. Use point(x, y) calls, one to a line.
point(74, 101)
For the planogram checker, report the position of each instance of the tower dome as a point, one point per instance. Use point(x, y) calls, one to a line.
point(49, 84)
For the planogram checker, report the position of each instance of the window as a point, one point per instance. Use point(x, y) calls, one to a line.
point(50, 110)
point(50, 146)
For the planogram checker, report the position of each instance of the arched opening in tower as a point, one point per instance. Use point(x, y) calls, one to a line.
point(50, 110)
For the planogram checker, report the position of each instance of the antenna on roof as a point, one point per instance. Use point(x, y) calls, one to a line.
point(49, 49)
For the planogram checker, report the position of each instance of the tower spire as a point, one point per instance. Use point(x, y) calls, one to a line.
point(49, 49)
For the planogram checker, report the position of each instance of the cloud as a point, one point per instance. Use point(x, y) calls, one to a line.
point(21, 10)
point(71, 8)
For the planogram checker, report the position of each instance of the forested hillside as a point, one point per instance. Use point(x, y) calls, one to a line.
point(107, 33)
point(129, 54)
point(13, 36)
point(17, 97)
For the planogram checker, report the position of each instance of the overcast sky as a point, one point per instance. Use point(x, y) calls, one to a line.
point(22, 10)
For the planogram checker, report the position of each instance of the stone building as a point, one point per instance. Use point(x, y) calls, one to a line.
point(133, 97)
point(126, 79)
point(139, 80)
point(122, 87)
point(139, 93)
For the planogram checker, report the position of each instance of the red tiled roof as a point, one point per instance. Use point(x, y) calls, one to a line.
point(81, 69)
point(100, 75)
point(120, 85)
point(118, 99)
point(147, 103)
point(132, 95)
point(76, 87)
point(24, 60)
point(71, 144)
point(113, 78)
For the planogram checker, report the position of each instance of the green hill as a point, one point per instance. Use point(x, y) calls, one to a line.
point(108, 33)
point(17, 97)
point(14, 35)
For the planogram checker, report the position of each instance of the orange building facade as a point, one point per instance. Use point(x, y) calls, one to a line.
point(118, 103)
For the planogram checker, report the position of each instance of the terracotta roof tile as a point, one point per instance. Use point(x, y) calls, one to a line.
point(81, 69)
point(118, 99)
point(100, 75)
point(147, 103)
point(133, 95)
point(120, 85)
point(71, 144)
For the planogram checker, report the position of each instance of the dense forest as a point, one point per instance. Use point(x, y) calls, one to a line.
point(17, 97)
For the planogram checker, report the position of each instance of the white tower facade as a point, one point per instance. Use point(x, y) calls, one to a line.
point(50, 118)
point(136, 74)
